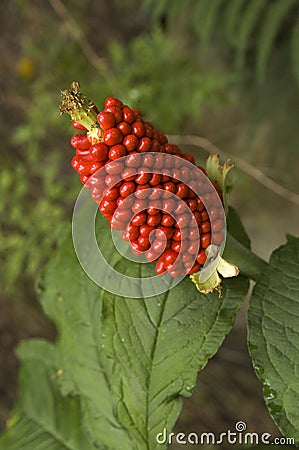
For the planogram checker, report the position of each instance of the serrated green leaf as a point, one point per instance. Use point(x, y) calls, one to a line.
point(274, 336)
point(132, 367)
point(43, 419)
point(129, 361)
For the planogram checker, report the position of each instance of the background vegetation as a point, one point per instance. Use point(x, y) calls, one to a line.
point(226, 71)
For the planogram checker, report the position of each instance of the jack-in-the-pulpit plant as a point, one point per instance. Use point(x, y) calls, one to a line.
point(116, 377)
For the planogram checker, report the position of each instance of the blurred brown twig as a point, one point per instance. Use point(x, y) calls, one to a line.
point(245, 166)
point(77, 35)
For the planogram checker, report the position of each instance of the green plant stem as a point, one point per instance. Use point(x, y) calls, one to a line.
point(248, 263)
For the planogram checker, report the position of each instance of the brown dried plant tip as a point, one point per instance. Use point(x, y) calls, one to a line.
point(78, 107)
point(73, 100)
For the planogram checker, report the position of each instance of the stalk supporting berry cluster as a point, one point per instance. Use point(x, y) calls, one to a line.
point(139, 200)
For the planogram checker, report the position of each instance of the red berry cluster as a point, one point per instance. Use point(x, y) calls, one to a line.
point(147, 217)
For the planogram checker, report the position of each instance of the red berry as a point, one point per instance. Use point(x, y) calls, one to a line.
point(114, 167)
point(133, 231)
point(95, 166)
point(192, 204)
point(113, 136)
point(152, 211)
point(78, 125)
point(217, 225)
point(176, 246)
point(167, 231)
point(153, 221)
point(177, 235)
point(160, 267)
point(123, 216)
point(144, 145)
point(193, 234)
point(139, 219)
point(205, 227)
point(167, 220)
point(188, 157)
point(130, 142)
point(158, 245)
point(155, 179)
point(143, 177)
point(218, 238)
point(111, 194)
point(144, 242)
point(116, 112)
point(128, 174)
point(148, 131)
point(204, 216)
point(201, 257)
point(106, 120)
point(168, 205)
point(99, 151)
point(200, 205)
point(148, 160)
point(127, 188)
point(108, 206)
point(183, 220)
point(142, 191)
point(116, 224)
point(161, 137)
point(84, 179)
point(139, 205)
point(128, 115)
point(138, 129)
point(136, 248)
point(125, 202)
point(112, 181)
point(80, 141)
point(205, 240)
point(193, 247)
point(156, 146)
point(124, 128)
point(195, 268)
point(117, 151)
point(145, 230)
point(169, 187)
point(169, 256)
point(112, 101)
point(151, 255)
point(182, 190)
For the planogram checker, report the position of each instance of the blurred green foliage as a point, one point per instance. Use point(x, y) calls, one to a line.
point(173, 60)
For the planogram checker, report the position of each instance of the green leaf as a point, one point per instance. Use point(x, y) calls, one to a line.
point(274, 336)
point(236, 228)
point(43, 419)
point(74, 303)
point(129, 361)
point(232, 18)
point(158, 345)
point(247, 24)
point(273, 21)
point(205, 18)
point(295, 50)
point(132, 361)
